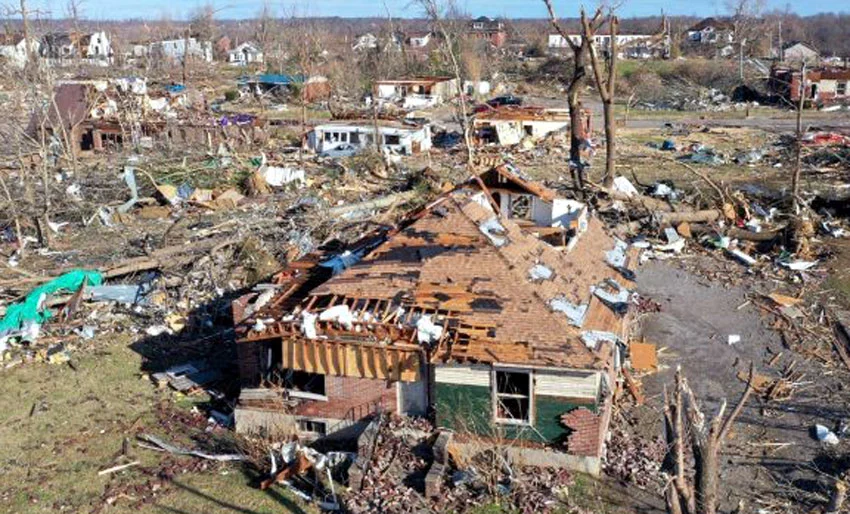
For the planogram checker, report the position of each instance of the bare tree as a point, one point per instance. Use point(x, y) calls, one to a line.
point(433, 12)
point(683, 418)
point(581, 50)
point(605, 86)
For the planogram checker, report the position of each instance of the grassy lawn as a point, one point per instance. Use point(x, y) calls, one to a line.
point(62, 426)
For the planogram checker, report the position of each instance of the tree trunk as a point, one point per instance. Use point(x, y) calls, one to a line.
point(705, 476)
point(610, 145)
point(798, 158)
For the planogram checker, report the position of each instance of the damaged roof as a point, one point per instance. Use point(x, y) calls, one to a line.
point(460, 259)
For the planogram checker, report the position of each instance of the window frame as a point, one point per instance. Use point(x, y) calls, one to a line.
point(494, 394)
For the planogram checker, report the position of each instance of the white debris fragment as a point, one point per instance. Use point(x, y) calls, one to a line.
point(825, 435)
point(733, 339)
point(308, 324)
point(426, 331)
point(339, 314)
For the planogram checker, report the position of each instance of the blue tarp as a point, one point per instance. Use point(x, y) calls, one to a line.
point(273, 79)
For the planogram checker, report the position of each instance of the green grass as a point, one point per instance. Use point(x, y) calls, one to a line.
point(60, 427)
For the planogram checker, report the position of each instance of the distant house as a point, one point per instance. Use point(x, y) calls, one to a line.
point(13, 49)
point(395, 137)
point(416, 92)
point(488, 29)
point(57, 47)
point(822, 86)
point(245, 54)
point(712, 31)
point(365, 42)
point(630, 46)
point(511, 124)
point(312, 88)
point(177, 48)
point(799, 52)
point(419, 39)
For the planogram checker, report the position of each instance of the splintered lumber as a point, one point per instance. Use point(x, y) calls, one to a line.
point(158, 444)
point(674, 218)
point(633, 387)
point(113, 469)
point(299, 467)
point(378, 203)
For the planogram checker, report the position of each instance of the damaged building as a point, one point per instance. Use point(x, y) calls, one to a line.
point(355, 135)
point(416, 92)
point(823, 85)
point(498, 309)
point(511, 124)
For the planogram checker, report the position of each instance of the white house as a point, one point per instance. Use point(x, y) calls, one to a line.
point(245, 54)
point(365, 42)
point(711, 31)
point(395, 137)
point(419, 39)
point(96, 46)
point(176, 49)
point(635, 46)
point(798, 52)
point(510, 125)
point(13, 50)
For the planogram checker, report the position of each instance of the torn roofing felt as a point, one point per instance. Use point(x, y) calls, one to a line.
point(445, 261)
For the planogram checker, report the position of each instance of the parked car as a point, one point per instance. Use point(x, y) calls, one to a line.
point(499, 101)
point(340, 151)
point(446, 139)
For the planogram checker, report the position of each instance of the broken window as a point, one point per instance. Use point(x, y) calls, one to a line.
point(328, 137)
point(841, 89)
point(355, 138)
point(304, 384)
point(392, 139)
point(521, 207)
point(316, 427)
point(513, 397)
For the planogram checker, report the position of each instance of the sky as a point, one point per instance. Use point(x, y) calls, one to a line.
point(235, 9)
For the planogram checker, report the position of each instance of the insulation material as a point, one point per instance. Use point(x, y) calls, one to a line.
point(308, 325)
point(339, 314)
point(277, 176)
point(427, 332)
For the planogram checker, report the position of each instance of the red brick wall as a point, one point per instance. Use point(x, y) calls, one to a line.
point(350, 397)
point(585, 437)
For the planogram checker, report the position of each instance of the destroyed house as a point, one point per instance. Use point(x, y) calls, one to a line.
point(396, 138)
point(488, 29)
point(508, 125)
point(823, 86)
point(461, 313)
point(417, 91)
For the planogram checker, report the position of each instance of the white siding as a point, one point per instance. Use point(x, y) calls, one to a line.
point(463, 375)
point(566, 384)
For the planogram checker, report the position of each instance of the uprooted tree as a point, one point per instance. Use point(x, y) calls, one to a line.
point(683, 420)
point(581, 50)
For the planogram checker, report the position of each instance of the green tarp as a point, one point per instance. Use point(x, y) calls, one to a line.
point(29, 310)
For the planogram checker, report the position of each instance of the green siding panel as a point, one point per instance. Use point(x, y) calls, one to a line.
point(463, 408)
point(468, 408)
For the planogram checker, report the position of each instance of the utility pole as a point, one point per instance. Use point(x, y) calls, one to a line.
point(741, 58)
point(781, 45)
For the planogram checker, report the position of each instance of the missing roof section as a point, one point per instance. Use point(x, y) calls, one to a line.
point(575, 313)
point(494, 231)
point(539, 273)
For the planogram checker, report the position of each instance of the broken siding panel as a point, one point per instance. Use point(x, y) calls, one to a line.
point(567, 384)
point(463, 375)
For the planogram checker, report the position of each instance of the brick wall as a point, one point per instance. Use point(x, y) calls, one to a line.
point(585, 438)
point(350, 397)
point(249, 354)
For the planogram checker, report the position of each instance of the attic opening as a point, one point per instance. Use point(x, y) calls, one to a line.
point(513, 397)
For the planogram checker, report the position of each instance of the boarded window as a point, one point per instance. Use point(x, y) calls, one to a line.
point(513, 397)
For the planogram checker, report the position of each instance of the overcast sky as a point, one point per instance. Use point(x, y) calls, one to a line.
point(155, 9)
